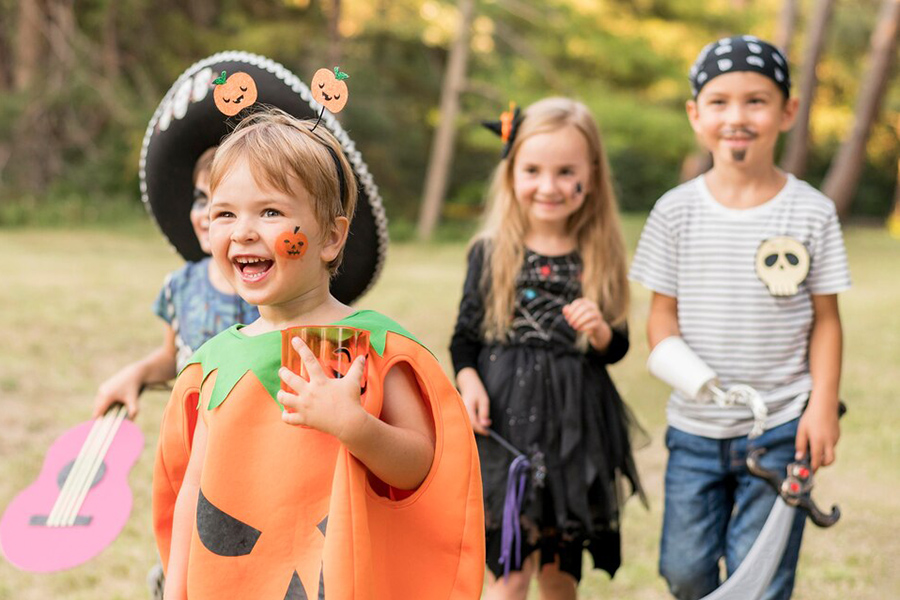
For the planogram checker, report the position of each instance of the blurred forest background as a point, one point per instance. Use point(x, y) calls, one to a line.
point(79, 81)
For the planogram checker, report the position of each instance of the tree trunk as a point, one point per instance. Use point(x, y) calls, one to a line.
point(335, 50)
point(797, 151)
point(6, 81)
point(442, 146)
point(843, 175)
point(893, 221)
point(111, 41)
point(787, 23)
point(28, 44)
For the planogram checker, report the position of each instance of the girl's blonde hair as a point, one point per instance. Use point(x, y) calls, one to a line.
point(595, 225)
point(281, 151)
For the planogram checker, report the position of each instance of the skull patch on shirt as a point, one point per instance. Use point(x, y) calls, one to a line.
point(782, 263)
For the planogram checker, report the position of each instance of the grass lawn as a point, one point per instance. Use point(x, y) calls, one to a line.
point(77, 307)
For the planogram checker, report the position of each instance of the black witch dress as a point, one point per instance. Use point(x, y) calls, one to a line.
point(552, 401)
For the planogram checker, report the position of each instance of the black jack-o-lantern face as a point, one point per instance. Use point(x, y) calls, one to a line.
point(225, 535)
point(341, 360)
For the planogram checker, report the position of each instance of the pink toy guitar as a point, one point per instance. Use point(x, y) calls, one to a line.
point(80, 501)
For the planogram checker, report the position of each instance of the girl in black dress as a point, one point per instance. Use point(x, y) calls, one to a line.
point(543, 312)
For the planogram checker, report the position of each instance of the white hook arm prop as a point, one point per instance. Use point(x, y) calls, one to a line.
point(673, 362)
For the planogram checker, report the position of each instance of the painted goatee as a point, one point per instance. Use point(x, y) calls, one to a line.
point(739, 155)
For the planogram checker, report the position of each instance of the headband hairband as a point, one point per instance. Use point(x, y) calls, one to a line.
point(740, 53)
point(506, 127)
point(339, 167)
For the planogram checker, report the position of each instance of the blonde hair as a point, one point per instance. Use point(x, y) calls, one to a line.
point(595, 225)
point(204, 163)
point(282, 151)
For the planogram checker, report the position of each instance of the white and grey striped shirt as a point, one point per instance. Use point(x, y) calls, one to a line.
point(702, 253)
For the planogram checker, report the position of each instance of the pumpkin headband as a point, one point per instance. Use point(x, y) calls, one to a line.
point(506, 127)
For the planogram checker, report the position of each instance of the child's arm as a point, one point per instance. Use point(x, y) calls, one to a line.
point(819, 429)
point(663, 319)
point(475, 398)
point(184, 516)
point(398, 449)
point(467, 343)
point(125, 385)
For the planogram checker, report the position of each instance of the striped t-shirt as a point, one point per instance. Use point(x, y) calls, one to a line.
point(704, 254)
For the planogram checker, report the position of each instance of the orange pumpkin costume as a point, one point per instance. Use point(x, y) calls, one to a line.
point(287, 512)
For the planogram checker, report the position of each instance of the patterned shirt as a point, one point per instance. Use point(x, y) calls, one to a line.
point(544, 285)
point(196, 310)
point(704, 254)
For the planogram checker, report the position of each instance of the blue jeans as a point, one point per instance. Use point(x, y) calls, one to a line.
point(715, 508)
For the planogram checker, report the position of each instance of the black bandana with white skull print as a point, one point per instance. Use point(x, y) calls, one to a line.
point(740, 53)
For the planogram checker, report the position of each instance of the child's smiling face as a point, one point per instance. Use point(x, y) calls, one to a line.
point(552, 175)
point(738, 117)
point(249, 222)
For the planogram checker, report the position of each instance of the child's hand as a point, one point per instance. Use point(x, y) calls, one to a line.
point(124, 387)
point(584, 315)
point(329, 405)
point(475, 398)
point(818, 431)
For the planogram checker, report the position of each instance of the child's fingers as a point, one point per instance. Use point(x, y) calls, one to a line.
point(131, 403)
point(287, 399)
point(484, 410)
point(293, 418)
point(801, 443)
point(585, 321)
point(357, 370)
point(293, 381)
point(309, 359)
point(815, 452)
point(829, 455)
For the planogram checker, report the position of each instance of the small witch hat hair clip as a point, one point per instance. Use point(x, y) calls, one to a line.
point(506, 127)
point(330, 90)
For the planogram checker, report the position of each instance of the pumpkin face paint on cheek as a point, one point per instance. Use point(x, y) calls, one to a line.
point(291, 244)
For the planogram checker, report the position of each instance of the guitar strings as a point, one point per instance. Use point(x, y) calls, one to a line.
point(79, 471)
point(76, 473)
point(66, 491)
point(85, 468)
point(95, 465)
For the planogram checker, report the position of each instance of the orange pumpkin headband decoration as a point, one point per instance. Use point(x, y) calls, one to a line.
point(234, 94)
point(330, 90)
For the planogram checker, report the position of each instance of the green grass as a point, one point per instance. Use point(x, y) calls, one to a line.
point(76, 306)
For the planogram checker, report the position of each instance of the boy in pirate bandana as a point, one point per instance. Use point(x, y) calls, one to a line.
point(745, 263)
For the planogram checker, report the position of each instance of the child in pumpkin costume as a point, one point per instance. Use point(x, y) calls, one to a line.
point(378, 494)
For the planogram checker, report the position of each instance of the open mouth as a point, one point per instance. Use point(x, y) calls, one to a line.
point(326, 96)
point(239, 99)
point(252, 268)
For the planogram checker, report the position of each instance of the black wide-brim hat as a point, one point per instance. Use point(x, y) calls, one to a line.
point(187, 122)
